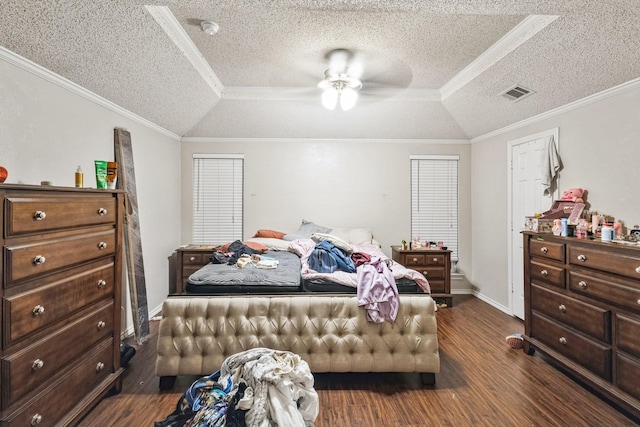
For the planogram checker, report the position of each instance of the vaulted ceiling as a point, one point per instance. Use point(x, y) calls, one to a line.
point(430, 70)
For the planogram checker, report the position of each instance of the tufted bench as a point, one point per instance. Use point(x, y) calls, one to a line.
point(330, 332)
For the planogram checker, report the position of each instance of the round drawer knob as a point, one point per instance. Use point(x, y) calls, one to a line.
point(99, 366)
point(192, 258)
point(544, 250)
point(562, 341)
point(582, 258)
point(435, 260)
point(638, 269)
point(102, 283)
point(582, 284)
point(39, 259)
point(415, 260)
point(102, 211)
point(562, 308)
point(101, 324)
point(39, 215)
point(36, 419)
point(38, 310)
point(424, 273)
point(545, 273)
point(37, 364)
point(102, 245)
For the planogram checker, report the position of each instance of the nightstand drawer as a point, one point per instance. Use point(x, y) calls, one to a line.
point(198, 259)
point(431, 272)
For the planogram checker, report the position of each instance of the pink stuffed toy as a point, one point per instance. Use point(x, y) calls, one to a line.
point(573, 194)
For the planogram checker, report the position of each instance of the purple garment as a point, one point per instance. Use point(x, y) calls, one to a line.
point(377, 291)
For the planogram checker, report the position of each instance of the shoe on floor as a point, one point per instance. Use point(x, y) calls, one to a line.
point(515, 341)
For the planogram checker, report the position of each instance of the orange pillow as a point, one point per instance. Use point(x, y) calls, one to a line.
point(270, 234)
point(253, 245)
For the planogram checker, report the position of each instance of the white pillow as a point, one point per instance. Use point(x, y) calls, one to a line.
point(354, 236)
point(271, 243)
point(337, 242)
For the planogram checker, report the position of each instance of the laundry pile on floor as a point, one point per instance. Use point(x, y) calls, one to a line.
point(260, 387)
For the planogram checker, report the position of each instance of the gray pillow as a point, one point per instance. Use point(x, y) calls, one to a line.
point(306, 229)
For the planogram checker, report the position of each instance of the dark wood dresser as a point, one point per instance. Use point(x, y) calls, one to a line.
point(61, 302)
point(582, 309)
point(434, 264)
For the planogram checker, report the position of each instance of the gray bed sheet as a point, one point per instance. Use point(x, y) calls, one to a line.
point(287, 274)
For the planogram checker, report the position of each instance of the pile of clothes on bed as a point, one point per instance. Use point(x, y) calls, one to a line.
point(256, 388)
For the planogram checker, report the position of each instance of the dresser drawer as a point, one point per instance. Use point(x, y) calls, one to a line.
point(544, 249)
point(51, 405)
point(587, 318)
point(588, 353)
point(547, 273)
point(38, 363)
point(24, 261)
point(628, 334)
point(431, 272)
point(29, 215)
point(628, 372)
point(66, 293)
point(624, 293)
point(437, 286)
point(624, 265)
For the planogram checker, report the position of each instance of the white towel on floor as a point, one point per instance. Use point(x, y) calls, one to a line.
point(551, 165)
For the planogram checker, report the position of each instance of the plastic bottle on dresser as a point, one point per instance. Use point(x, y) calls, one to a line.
point(79, 177)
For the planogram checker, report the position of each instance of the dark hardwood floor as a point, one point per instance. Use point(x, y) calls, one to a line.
point(482, 382)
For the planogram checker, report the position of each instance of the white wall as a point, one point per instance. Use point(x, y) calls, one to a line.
point(599, 143)
point(47, 130)
point(335, 183)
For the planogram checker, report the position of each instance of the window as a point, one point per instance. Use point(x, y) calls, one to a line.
point(434, 200)
point(217, 198)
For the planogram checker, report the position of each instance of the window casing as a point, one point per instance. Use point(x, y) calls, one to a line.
point(218, 182)
point(434, 200)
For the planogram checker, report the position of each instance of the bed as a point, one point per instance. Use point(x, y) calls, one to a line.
point(293, 273)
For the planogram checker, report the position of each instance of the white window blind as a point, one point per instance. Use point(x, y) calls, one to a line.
point(217, 198)
point(434, 200)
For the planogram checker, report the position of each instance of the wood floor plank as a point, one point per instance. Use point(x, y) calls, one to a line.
point(483, 382)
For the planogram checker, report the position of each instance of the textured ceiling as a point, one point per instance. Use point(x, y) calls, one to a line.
point(430, 70)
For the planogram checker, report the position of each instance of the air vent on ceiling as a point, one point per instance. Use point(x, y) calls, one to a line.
point(517, 93)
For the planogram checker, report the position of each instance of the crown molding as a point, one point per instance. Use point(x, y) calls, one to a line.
point(48, 75)
point(527, 28)
point(170, 25)
point(616, 90)
point(206, 139)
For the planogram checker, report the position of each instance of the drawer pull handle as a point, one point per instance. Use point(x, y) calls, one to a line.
point(562, 308)
point(38, 310)
point(102, 283)
point(192, 258)
point(99, 366)
point(544, 250)
point(415, 260)
point(39, 259)
point(101, 324)
point(563, 341)
point(545, 273)
point(582, 284)
point(39, 215)
point(36, 419)
point(582, 258)
point(102, 211)
point(37, 364)
point(102, 245)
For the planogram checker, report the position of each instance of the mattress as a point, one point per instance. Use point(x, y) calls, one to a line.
point(404, 285)
point(223, 278)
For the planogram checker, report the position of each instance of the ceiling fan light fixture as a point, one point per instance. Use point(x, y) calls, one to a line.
point(330, 99)
point(348, 98)
point(209, 27)
point(339, 88)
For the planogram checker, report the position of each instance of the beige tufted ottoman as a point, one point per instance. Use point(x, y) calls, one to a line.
point(330, 332)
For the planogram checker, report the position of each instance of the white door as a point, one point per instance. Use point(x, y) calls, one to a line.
point(527, 198)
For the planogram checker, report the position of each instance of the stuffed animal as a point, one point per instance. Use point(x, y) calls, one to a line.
point(573, 194)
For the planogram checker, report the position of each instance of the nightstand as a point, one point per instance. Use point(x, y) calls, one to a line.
point(190, 259)
point(434, 264)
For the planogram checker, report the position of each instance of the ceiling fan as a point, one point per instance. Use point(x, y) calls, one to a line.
point(341, 81)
